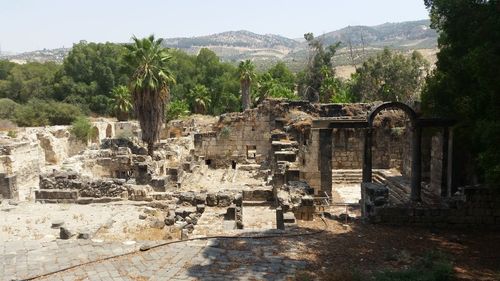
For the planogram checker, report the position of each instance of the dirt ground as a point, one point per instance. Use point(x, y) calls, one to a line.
point(370, 248)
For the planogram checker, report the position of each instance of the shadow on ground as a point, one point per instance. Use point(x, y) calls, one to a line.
point(345, 248)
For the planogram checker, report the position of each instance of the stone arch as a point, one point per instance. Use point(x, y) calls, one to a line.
point(397, 105)
point(416, 142)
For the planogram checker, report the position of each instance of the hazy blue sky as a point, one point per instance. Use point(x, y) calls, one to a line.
point(36, 24)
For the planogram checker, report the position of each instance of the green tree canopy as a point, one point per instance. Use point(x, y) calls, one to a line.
point(90, 72)
point(320, 63)
point(390, 76)
point(465, 84)
point(25, 81)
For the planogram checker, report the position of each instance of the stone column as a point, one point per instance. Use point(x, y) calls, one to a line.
point(367, 156)
point(416, 163)
point(325, 160)
point(449, 168)
point(444, 162)
point(280, 220)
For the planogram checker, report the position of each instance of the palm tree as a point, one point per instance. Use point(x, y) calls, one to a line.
point(247, 75)
point(122, 102)
point(200, 98)
point(149, 85)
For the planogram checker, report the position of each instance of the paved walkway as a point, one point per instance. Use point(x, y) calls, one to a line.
point(214, 259)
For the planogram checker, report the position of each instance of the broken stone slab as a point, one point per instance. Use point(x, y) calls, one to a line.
point(200, 208)
point(57, 224)
point(84, 200)
point(224, 199)
point(185, 211)
point(187, 197)
point(157, 223)
point(189, 227)
point(238, 199)
point(184, 234)
point(180, 224)
point(170, 220)
point(307, 200)
point(289, 217)
point(211, 199)
point(83, 234)
point(200, 198)
point(64, 233)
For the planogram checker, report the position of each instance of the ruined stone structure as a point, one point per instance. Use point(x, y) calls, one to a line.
point(293, 154)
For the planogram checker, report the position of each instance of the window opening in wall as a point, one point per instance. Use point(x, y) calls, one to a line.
point(253, 128)
point(233, 164)
point(208, 162)
point(251, 151)
point(303, 161)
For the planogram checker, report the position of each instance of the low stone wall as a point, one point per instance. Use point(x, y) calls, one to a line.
point(477, 207)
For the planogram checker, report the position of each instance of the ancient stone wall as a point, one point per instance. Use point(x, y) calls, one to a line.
point(387, 148)
point(24, 160)
point(238, 137)
point(477, 207)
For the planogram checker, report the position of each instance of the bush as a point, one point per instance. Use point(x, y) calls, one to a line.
point(433, 267)
point(12, 134)
point(7, 109)
point(42, 113)
point(81, 129)
point(176, 109)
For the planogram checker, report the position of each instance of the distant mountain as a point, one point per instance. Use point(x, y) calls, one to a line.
point(237, 39)
point(397, 35)
point(45, 55)
point(357, 44)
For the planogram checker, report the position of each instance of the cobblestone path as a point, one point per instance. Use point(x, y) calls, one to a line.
point(214, 259)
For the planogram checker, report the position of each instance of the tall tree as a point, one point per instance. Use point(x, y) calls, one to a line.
point(465, 84)
point(246, 70)
point(390, 76)
point(320, 60)
point(149, 85)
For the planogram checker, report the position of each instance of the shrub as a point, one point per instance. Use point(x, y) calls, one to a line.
point(12, 134)
point(7, 109)
point(81, 129)
point(176, 109)
point(42, 113)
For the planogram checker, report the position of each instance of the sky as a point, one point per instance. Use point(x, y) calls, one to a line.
point(27, 25)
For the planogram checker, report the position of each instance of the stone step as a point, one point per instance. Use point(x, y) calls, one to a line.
point(160, 195)
point(56, 194)
point(256, 203)
point(258, 194)
point(289, 217)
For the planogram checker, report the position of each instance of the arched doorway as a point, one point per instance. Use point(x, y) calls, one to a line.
point(95, 135)
point(416, 139)
point(109, 131)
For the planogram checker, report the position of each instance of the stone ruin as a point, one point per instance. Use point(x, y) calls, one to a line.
point(301, 158)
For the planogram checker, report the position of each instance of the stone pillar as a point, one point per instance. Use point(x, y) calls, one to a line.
point(367, 156)
point(449, 168)
point(444, 162)
point(416, 163)
point(280, 220)
point(325, 160)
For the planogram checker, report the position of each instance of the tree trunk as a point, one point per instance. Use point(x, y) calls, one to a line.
point(245, 95)
point(151, 149)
